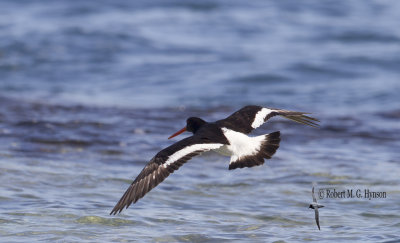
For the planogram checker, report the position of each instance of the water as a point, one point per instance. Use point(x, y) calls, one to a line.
point(89, 92)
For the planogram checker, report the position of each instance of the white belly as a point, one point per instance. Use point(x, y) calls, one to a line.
point(239, 144)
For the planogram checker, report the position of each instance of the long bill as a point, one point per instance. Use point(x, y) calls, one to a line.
point(177, 133)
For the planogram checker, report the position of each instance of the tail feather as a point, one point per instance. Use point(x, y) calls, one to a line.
point(271, 144)
point(267, 149)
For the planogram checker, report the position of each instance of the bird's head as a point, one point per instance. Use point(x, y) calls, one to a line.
point(193, 124)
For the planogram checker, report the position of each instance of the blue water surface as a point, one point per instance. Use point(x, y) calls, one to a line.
point(90, 90)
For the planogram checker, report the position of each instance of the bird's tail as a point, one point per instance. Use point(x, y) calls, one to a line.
point(265, 147)
point(270, 144)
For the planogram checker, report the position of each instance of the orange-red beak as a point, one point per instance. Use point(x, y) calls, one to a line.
point(177, 133)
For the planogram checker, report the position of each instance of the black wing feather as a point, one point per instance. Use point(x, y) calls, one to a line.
point(155, 172)
point(242, 120)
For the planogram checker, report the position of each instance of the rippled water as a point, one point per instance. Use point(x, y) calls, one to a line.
point(89, 92)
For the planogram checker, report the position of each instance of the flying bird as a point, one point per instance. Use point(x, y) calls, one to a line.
point(227, 137)
point(314, 205)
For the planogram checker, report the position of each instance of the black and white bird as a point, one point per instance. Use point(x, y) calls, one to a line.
point(227, 137)
point(314, 205)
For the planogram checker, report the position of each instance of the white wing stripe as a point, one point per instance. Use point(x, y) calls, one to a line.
point(190, 149)
point(260, 116)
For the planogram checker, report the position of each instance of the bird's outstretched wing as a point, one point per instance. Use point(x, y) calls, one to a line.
point(161, 166)
point(317, 217)
point(250, 117)
point(314, 199)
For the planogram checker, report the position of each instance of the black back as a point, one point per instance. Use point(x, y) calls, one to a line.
point(211, 133)
point(241, 120)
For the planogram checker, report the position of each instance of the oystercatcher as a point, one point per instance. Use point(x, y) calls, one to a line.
point(226, 136)
point(314, 205)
